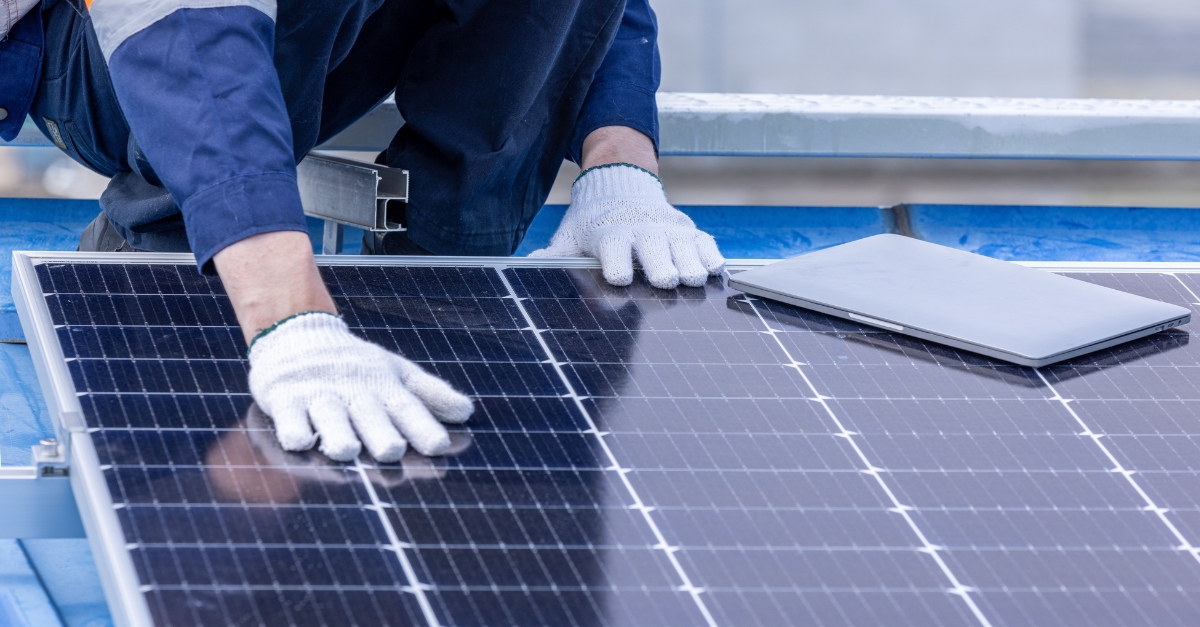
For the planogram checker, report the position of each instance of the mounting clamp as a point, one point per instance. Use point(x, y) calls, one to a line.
point(49, 458)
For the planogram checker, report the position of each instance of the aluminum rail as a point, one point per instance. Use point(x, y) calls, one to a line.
point(72, 454)
point(998, 128)
point(748, 125)
point(343, 192)
point(884, 126)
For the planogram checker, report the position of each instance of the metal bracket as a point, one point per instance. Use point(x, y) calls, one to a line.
point(49, 458)
point(38, 500)
point(333, 239)
point(344, 192)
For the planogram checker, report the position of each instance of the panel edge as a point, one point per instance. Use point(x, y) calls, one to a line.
point(118, 577)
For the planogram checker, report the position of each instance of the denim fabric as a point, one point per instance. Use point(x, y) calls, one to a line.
point(13, 11)
point(623, 91)
point(494, 93)
point(75, 105)
point(21, 60)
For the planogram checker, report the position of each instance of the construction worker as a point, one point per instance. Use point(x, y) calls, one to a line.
point(200, 110)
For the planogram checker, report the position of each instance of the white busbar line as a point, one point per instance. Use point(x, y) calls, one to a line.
point(615, 465)
point(956, 587)
point(415, 586)
point(1119, 468)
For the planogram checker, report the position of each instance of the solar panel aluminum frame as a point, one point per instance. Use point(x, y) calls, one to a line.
point(106, 537)
point(117, 575)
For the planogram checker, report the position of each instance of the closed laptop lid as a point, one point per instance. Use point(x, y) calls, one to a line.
point(931, 290)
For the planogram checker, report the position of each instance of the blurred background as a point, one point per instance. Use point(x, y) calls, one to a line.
point(1015, 48)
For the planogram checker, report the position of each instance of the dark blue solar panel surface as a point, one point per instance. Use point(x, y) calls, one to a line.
point(642, 457)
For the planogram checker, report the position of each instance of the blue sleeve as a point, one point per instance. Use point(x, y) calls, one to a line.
point(622, 93)
point(201, 95)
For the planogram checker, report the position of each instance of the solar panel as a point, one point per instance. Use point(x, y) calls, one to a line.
point(638, 457)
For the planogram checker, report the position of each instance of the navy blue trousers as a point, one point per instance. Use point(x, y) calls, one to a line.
point(490, 91)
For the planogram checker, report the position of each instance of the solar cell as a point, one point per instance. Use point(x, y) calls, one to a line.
point(637, 457)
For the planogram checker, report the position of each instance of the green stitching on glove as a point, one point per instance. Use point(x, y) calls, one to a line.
point(267, 330)
point(616, 165)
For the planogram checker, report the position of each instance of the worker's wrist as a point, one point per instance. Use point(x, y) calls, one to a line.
point(598, 187)
point(272, 276)
point(619, 144)
point(261, 322)
point(274, 327)
point(606, 166)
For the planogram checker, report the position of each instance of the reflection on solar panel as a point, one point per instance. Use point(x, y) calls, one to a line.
point(639, 457)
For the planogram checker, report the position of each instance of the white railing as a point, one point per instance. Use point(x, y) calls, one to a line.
point(884, 126)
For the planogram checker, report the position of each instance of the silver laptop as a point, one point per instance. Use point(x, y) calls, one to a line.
point(975, 303)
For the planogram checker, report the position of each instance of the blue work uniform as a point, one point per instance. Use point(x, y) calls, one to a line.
point(21, 60)
point(201, 114)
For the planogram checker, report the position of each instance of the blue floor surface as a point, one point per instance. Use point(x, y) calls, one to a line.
point(23, 600)
point(1062, 233)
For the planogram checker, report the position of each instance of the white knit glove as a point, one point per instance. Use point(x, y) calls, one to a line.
point(620, 211)
point(309, 373)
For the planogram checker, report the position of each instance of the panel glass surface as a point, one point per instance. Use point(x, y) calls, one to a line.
point(643, 457)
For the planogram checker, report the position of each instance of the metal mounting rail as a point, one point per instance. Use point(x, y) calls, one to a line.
point(883, 126)
point(344, 192)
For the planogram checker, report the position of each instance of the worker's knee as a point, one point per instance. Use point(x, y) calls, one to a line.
point(76, 105)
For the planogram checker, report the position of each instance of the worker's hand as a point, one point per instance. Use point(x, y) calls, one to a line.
point(315, 378)
point(620, 212)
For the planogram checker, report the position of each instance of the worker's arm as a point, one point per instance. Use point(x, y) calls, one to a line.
point(619, 210)
point(199, 90)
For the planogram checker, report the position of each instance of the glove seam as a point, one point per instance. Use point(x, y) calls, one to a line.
point(616, 165)
point(258, 336)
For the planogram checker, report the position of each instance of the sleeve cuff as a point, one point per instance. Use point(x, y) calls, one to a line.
point(615, 104)
point(238, 208)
